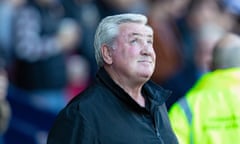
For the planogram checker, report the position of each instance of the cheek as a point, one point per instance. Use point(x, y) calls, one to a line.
point(122, 57)
point(130, 53)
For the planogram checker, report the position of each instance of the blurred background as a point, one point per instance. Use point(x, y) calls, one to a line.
point(47, 54)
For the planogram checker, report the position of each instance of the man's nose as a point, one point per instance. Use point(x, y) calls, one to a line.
point(146, 49)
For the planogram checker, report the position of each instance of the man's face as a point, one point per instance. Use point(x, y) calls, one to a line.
point(133, 55)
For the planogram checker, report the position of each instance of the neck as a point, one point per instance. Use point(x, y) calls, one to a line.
point(133, 89)
point(134, 92)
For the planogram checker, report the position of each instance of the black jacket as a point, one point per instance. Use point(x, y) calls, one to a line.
point(106, 114)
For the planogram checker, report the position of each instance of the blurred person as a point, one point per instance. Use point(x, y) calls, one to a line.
point(205, 39)
point(42, 37)
point(203, 25)
point(78, 75)
point(86, 13)
point(123, 105)
point(209, 11)
point(209, 112)
point(7, 12)
point(5, 109)
point(167, 40)
point(195, 15)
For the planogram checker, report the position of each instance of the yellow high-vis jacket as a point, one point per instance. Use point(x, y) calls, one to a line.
point(210, 112)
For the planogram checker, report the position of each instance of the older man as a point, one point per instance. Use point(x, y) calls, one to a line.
point(122, 106)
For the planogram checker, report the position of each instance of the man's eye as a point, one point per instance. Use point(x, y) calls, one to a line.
point(133, 41)
point(150, 42)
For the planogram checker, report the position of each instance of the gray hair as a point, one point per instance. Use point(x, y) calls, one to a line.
point(108, 29)
point(226, 54)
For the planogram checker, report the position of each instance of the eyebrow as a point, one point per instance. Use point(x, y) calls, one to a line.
point(138, 34)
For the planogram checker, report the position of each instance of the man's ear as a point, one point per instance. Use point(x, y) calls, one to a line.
point(107, 54)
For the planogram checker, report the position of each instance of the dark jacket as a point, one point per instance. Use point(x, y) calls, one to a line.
point(106, 114)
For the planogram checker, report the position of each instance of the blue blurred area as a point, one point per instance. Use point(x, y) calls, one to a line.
point(28, 124)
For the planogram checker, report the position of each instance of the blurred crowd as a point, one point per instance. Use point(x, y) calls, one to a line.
point(46, 46)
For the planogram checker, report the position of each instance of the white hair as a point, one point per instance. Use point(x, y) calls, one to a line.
point(108, 29)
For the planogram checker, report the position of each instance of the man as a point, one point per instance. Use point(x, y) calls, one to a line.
point(209, 113)
point(122, 106)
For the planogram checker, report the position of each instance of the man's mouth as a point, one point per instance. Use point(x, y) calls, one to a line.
point(145, 61)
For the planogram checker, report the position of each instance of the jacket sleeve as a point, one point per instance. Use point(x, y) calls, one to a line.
point(71, 127)
point(180, 124)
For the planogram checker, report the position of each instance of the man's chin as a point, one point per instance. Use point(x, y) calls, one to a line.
point(146, 76)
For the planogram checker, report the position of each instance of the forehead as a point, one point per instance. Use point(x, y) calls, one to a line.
point(129, 29)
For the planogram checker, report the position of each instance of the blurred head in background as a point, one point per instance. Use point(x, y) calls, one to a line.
point(226, 53)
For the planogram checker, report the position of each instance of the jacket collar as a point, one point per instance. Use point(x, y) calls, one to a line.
point(153, 92)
